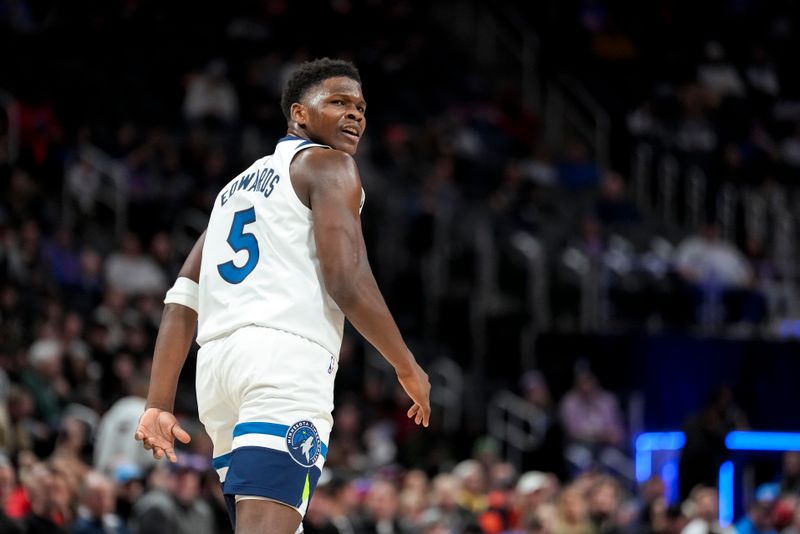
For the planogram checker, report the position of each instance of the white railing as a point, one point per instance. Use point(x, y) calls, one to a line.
point(112, 187)
point(641, 175)
point(516, 424)
point(727, 203)
point(696, 187)
point(668, 170)
point(569, 104)
point(538, 291)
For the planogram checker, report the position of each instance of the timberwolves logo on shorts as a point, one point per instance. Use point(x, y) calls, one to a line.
point(302, 440)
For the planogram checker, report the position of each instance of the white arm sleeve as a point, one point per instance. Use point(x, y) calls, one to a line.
point(185, 292)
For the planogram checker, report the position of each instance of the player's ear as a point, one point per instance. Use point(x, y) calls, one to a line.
point(298, 113)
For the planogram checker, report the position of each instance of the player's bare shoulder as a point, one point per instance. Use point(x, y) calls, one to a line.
point(325, 168)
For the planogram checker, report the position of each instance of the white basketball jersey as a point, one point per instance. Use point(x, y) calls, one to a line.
point(260, 264)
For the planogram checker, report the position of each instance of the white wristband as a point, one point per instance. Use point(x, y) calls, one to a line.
point(185, 292)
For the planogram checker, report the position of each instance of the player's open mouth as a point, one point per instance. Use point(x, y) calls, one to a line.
point(352, 132)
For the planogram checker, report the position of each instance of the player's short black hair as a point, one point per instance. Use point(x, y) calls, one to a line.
point(311, 73)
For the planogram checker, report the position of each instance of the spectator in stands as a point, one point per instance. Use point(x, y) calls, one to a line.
point(573, 515)
point(577, 170)
point(759, 518)
point(112, 449)
point(44, 381)
point(88, 292)
point(794, 527)
point(548, 451)
point(46, 515)
point(604, 506)
point(790, 481)
point(96, 512)
point(318, 516)
point(717, 74)
point(613, 206)
point(472, 477)
point(63, 259)
point(703, 512)
point(445, 504)
point(210, 95)
point(530, 493)
point(717, 274)
point(174, 505)
point(592, 421)
point(381, 510)
point(8, 480)
point(705, 434)
point(23, 428)
point(132, 272)
point(695, 133)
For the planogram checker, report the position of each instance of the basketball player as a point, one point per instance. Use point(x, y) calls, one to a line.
point(280, 265)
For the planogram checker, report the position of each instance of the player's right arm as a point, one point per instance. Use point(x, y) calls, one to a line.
point(158, 428)
point(329, 182)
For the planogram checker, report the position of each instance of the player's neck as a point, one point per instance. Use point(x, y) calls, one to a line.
point(296, 131)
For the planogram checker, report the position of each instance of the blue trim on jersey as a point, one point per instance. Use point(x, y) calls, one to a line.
point(221, 461)
point(305, 142)
point(271, 429)
point(263, 472)
point(290, 138)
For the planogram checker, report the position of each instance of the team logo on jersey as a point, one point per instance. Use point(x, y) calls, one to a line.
point(302, 441)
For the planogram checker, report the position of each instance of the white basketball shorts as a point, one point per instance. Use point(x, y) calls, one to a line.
point(265, 397)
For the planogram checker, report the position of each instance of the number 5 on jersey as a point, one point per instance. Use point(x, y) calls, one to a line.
point(240, 240)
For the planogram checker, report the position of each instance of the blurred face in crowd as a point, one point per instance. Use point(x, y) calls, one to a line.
point(760, 515)
point(319, 508)
point(604, 499)
point(382, 501)
point(530, 500)
point(446, 488)
point(586, 383)
point(474, 478)
point(572, 507)
point(98, 495)
point(791, 464)
point(658, 515)
point(653, 488)
point(347, 499)
point(7, 482)
point(706, 501)
point(187, 485)
point(130, 245)
point(39, 485)
point(416, 481)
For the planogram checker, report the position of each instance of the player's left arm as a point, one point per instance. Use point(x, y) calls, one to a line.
point(158, 427)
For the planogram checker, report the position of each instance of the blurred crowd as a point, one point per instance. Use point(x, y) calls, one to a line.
point(124, 141)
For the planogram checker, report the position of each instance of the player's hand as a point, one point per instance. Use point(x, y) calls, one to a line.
point(157, 431)
point(416, 384)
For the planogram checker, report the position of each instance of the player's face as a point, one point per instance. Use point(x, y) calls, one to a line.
point(335, 113)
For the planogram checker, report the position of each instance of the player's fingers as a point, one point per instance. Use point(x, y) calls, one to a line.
point(171, 455)
point(158, 453)
point(181, 434)
point(426, 416)
point(412, 410)
point(139, 435)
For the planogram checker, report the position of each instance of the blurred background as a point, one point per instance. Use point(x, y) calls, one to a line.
point(583, 214)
